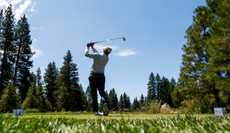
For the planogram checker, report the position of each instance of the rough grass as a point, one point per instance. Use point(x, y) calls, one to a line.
point(87, 115)
point(187, 123)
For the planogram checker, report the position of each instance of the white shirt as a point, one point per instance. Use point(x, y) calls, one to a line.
point(99, 60)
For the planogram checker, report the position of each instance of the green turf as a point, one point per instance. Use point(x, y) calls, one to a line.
point(79, 115)
point(130, 123)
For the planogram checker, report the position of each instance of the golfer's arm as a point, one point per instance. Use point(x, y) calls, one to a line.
point(87, 52)
point(94, 50)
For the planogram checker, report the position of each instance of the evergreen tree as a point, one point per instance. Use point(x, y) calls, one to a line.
point(166, 93)
point(219, 50)
point(89, 99)
point(9, 99)
point(38, 76)
point(177, 95)
point(62, 94)
point(145, 100)
point(101, 105)
point(158, 90)
point(126, 101)
point(35, 97)
point(69, 79)
point(32, 78)
point(200, 91)
point(7, 46)
point(1, 26)
point(35, 100)
point(171, 88)
point(44, 104)
point(107, 95)
point(112, 99)
point(121, 103)
point(84, 99)
point(22, 56)
point(151, 88)
point(136, 104)
point(83, 103)
point(142, 100)
point(50, 80)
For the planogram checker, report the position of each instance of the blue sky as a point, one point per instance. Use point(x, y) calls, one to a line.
point(154, 32)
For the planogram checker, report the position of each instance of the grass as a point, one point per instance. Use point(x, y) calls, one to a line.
point(87, 115)
point(126, 122)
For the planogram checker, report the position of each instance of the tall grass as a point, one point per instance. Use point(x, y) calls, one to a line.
point(152, 106)
point(64, 125)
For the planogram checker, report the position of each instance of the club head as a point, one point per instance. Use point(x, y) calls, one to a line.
point(123, 38)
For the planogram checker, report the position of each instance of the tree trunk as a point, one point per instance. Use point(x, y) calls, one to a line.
point(17, 61)
point(2, 71)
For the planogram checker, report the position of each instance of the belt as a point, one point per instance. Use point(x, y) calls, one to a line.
point(96, 73)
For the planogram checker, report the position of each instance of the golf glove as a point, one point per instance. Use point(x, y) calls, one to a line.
point(89, 44)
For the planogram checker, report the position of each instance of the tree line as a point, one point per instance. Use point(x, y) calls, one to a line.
point(203, 83)
point(20, 88)
point(204, 80)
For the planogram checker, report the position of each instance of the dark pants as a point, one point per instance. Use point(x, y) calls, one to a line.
point(97, 82)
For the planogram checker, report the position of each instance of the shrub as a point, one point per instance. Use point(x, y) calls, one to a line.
point(63, 110)
point(152, 106)
point(32, 110)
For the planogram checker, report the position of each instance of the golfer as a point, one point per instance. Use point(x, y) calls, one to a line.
point(97, 77)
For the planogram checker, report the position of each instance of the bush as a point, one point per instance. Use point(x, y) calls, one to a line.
point(152, 107)
point(63, 110)
point(33, 110)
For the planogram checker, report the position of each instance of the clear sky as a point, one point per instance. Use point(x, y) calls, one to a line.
point(154, 32)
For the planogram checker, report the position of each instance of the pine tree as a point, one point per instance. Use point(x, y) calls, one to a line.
point(83, 103)
point(166, 93)
point(22, 56)
point(44, 104)
point(9, 99)
point(38, 76)
point(159, 92)
point(107, 95)
point(200, 92)
point(32, 99)
point(50, 80)
point(89, 99)
point(177, 95)
point(101, 105)
point(151, 88)
point(126, 102)
point(136, 105)
point(69, 79)
point(112, 99)
point(1, 26)
point(121, 103)
point(142, 101)
point(35, 97)
point(32, 78)
point(62, 94)
point(219, 50)
point(7, 46)
point(172, 86)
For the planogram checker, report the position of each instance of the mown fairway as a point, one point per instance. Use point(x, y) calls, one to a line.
point(117, 116)
point(77, 122)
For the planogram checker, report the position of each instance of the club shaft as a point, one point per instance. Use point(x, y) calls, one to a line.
point(109, 39)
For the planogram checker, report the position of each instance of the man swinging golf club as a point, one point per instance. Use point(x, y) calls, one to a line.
point(97, 77)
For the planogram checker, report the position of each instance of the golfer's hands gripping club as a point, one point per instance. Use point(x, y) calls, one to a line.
point(90, 44)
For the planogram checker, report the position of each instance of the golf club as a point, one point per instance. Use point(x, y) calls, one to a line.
point(111, 39)
point(89, 44)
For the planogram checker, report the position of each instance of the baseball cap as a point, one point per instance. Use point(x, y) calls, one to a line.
point(108, 49)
